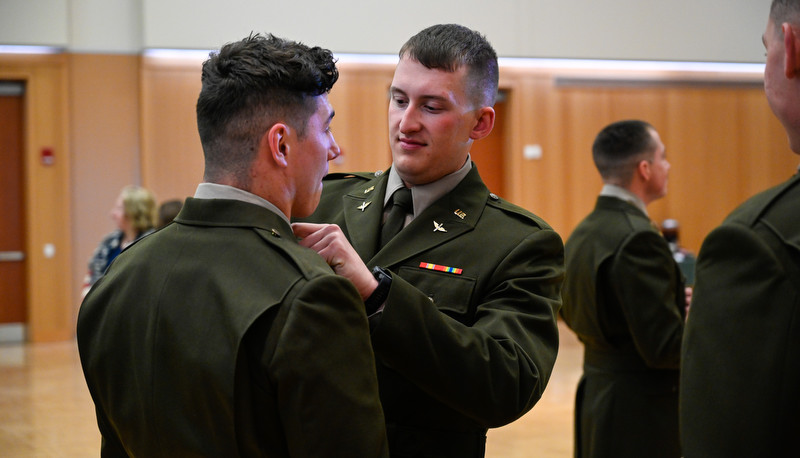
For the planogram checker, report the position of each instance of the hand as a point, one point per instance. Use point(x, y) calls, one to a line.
point(688, 291)
point(329, 241)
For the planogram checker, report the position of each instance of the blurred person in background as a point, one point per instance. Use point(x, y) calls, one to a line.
point(134, 214)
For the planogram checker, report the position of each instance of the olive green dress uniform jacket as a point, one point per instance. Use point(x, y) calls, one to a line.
point(740, 379)
point(624, 298)
point(220, 336)
point(467, 349)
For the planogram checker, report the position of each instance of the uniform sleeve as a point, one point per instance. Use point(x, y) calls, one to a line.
point(323, 369)
point(495, 370)
point(646, 282)
point(110, 445)
point(740, 371)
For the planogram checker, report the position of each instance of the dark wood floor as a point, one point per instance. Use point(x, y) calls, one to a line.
point(46, 411)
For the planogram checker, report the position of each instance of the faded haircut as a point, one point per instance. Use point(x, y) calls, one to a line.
point(619, 147)
point(247, 87)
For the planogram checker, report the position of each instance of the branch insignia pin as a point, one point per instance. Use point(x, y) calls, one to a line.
point(364, 205)
point(438, 227)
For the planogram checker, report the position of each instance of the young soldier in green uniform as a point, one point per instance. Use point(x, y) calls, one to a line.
point(463, 300)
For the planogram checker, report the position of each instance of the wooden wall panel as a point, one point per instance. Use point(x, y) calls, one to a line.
point(47, 194)
point(535, 184)
point(589, 108)
point(766, 157)
point(361, 101)
point(104, 136)
point(172, 157)
point(704, 170)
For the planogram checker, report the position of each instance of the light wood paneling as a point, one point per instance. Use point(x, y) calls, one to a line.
point(361, 100)
point(535, 184)
point(172, 157)
point(47, 193)
point(104, 127)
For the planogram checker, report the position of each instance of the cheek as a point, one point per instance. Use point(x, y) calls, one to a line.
point(449, 128)
point(394, 117)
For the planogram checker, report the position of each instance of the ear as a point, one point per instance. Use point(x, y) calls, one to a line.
point(484, 124)
point(643, 169)
point(276, 143)
point(792, 48)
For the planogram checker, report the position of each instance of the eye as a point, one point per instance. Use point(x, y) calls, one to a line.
point(400, 101)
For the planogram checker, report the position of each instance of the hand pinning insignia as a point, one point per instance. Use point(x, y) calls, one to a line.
point(460, 213)
point(364, 206)
point(438, 227)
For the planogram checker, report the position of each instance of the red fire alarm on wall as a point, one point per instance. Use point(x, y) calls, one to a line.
point(48, 157)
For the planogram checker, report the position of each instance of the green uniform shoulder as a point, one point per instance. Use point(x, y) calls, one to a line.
point(361, 176)
point(306, 261)
point(516, 211)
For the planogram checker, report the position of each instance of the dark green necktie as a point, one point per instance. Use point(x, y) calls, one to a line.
point(401, 206)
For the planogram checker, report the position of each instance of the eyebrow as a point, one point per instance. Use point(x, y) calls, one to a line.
point(440, 98)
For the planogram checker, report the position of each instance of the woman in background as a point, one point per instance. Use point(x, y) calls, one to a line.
point(134, 213)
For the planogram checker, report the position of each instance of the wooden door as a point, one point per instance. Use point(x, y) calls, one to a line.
point(12, 216)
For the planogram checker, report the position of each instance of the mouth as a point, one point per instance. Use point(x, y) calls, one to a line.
point(410, 144)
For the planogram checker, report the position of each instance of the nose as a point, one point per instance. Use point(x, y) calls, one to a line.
point(334, 151)
point(409, 120)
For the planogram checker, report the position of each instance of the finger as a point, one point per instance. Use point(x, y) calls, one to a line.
point(302, 230)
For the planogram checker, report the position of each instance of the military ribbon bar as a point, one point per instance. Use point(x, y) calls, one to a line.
point(450, 270)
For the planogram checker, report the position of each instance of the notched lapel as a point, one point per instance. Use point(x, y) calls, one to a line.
point(363, 208)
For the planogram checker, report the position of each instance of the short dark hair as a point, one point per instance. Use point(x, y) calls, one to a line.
point(785, 11)
point(247, 87)
point(619, 147)
point(448, 47)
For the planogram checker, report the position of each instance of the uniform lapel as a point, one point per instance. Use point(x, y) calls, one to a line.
point(363, 209)
point(453, 215)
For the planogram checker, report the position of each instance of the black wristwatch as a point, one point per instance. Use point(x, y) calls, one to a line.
point(378, 297)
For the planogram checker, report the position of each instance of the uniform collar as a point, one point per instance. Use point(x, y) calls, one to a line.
point(611, 190)
point(424, 195)
point(221, 191)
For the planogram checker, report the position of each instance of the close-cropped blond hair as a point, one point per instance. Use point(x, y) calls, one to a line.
point(139, 205)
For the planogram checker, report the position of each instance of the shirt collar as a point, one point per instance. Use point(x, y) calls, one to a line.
point(221, 191)
point(611, 190)
point(424, 195)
